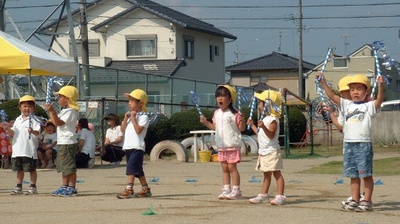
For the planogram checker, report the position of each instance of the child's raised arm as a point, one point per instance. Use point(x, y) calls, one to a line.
point(328, 91)
point(380, 96)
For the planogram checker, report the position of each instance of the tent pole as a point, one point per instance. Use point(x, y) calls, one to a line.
point(30, 82)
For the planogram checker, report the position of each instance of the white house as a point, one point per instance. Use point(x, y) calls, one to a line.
point(144, 36)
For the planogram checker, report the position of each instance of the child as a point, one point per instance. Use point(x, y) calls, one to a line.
point(228, 124)
point(66, 139)
point(114, 141)
point(344, 92)
point(358, 151)
point(86, 145)
point(25, 142)
point(269, 156)
point(134, 126)
point(49, 146)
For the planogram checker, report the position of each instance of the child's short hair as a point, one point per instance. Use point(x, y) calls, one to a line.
point(49, 123)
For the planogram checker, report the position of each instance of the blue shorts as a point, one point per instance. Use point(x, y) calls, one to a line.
point(357, 161)
point(134, 162)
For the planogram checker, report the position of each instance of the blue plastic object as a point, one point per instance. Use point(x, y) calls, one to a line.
point(378, 182)
point(296, 181)
point(191, 180)
point(339, 181)
point(254, 180)
point(154, 180)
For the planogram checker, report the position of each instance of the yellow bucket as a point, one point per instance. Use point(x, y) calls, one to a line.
point(214, 157)
point(205, 156)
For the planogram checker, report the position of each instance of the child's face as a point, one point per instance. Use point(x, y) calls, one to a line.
point(63, 100)
point(261, 107)
point(111, 122)
point(223, 102)
point(358, 92)
point(134, 104)
point(50, 129)
point(26, 108)
point(345, 94)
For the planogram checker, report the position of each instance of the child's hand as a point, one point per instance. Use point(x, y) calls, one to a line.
point(203, 119)
point(320, 77)
point(30, 130)
point(49, 107)
point(381, 81)
point(260, 124)
point(250, 122)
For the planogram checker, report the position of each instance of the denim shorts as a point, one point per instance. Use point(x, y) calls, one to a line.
point(134, 162)
point(357, 161)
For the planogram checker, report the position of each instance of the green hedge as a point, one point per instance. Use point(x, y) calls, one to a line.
point(12, 109)
point(184, 122)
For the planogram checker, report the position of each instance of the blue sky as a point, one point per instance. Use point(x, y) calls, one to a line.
point(259, 23)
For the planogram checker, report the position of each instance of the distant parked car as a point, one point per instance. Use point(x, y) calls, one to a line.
point(390, 105)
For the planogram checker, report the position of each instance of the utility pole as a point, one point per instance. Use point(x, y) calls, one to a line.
point(301, 79)
point(280, 42)
point(237, 54)
point(2, 15)
point(84, 49)
point(346, 43)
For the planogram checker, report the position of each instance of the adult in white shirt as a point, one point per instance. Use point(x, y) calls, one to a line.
point(86, 145)
point(114, 141)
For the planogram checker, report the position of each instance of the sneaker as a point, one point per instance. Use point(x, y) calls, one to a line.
point(144, 193)
point(350, 206)
point(16, 191)
point(127, 193)
point(278, 200)
point(350, 199)
point(69, 192)
point(225, 192)
point(364, 206)
point(59, 191)
point(31, 190)
point(259, 199)
point(50, 165)
point(235, 194)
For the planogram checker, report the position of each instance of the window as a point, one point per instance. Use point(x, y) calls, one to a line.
point(340, 62)
point(141, 46)
point(212, 53)
point(189, 47)
point(94, 48)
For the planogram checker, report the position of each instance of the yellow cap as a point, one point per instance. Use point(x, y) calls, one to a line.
point(26, 98)
point(359, 78)
point(274, 96)
point(139, 95)
point(342, 85)
point(232, 91)
point(72, 93)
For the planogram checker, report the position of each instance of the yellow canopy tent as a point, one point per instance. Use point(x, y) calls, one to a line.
point(19, 57)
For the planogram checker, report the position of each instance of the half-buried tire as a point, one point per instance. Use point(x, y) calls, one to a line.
point(175, 146)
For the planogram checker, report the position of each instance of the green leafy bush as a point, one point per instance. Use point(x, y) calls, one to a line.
point(297, 124)
point(184, 122)
point(12, 109)
point(162, 130)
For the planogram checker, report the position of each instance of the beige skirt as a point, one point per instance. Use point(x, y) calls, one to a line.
point(270, 162)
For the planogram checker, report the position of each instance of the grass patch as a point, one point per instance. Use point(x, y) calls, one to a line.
point(387, 166)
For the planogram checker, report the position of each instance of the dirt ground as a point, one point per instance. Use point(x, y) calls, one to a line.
point(310, 198)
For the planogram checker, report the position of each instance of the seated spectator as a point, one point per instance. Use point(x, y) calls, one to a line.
point(86, 145)
point(48, 148)
point(114, 140)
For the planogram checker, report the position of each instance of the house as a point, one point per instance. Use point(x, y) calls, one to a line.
point(361, 61)
point(145, 37)
point(276, 70)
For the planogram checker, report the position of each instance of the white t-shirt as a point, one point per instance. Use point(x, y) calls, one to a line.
point(133, 140)
point(66, 133)
point(22, 145)
point(90, 142)
point(268, 145)
point(48, 139)
point(358, 118)
point(114, 133)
